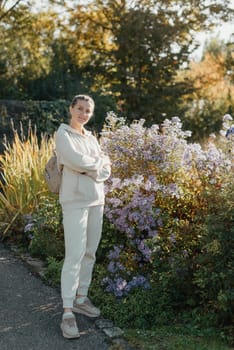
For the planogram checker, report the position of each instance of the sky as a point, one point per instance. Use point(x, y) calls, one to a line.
point(222, 32)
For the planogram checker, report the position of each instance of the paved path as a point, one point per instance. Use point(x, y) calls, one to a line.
point(30, 313)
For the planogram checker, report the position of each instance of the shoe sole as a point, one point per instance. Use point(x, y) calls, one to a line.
point(80, 311)
point(68, 336)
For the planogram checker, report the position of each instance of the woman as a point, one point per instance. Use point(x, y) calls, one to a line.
point(85, 168)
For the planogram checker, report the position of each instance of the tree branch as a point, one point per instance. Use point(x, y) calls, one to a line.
point(4, 14)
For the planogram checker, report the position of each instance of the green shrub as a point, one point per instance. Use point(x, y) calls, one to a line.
point(53, 271)
point(108, 240)
point(47, 115)
point(46, 230)
point(213, 276)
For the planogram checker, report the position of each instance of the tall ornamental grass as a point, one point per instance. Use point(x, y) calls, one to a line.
point(22, 181)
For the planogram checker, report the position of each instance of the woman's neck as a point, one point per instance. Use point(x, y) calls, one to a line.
point(78, 127)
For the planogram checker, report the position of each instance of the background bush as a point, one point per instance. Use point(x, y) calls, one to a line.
point(46, 115)
point(213, 276)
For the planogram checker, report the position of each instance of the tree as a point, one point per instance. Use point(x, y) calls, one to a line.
point(128, 50)
point(61, 79)
point(213, 89)
point(134, 49)
point(25, 47)
point(6, 7)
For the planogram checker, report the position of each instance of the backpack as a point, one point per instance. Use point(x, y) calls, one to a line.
point(53, 174)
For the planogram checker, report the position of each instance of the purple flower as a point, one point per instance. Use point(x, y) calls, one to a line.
point(227, 117)
point(111, 267)
point(153, 170)
point(230, 132)
point(172, 238)
point(114, 254)
point(121, 283)
point(120, 286)
point(30, 236)
point(28, 227)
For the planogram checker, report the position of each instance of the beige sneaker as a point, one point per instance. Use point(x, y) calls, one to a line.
point(69, 327)
point(86, 308)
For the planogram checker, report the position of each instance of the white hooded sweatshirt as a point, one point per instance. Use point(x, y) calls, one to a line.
point(85, 167)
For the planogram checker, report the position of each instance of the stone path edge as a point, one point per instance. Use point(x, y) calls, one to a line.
point(37, 267)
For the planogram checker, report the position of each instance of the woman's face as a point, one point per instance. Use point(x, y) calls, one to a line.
point(81, 113)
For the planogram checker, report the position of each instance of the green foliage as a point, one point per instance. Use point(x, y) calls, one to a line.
point(53, 271)
point(46, 230)
point(135, 52)
point(63, 79)
point(108, 240)
point(25, 40)
point(213, 277)
point(203, 107)
point(204, 116)
point(127, 53)
point(46, 115)
point(174, 338)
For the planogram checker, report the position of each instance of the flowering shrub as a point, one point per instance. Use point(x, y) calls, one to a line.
point(157, 194)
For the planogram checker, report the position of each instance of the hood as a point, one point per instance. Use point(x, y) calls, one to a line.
point(66, 127)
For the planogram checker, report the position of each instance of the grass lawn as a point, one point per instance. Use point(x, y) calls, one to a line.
point(172, 339)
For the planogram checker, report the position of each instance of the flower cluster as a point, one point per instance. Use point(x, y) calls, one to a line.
point(120, 287)
point(157, 176)
point(29, 225)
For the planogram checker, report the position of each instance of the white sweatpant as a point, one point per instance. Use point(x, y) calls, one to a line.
point(82, 233)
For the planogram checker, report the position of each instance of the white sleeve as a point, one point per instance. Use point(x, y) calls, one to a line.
point(102, 174)
point(71, 158)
